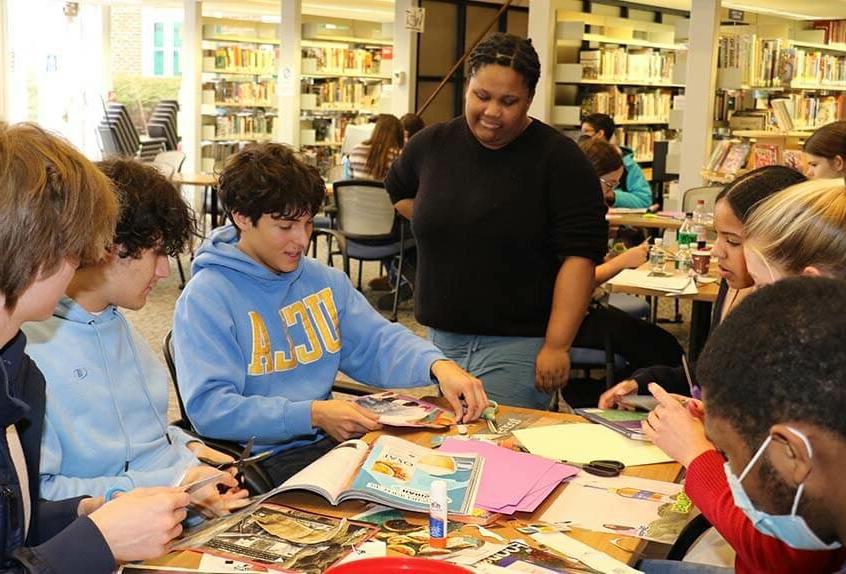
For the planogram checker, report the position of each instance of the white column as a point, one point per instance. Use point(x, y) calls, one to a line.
point(404, 76)
point(288, 69)
point(5, 61)
point(190, 94)
point(697, 121)
point(542, 33)
point(107, 78)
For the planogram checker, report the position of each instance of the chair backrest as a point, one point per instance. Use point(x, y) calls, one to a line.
point(694, 194)
point(169, 162)
point(365, 210)
point(167, 351)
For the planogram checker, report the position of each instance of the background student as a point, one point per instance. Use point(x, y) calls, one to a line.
point(57, 211)
point(633, 189)
point(260, 332)
point(825, 151)
point(411, 124)
point(371, 158)
point(509, 222)
point(106, 427)
point(798, 231)
point(733, 207)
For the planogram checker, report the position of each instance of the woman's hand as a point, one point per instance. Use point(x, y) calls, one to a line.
point(610, 399)
point(673, 429)
point(552, 368)
point(209, 497)
point(634, 257)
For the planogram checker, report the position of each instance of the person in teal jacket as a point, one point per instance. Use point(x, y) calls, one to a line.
point(260, 331)
point(634, 190)
point(105, 429)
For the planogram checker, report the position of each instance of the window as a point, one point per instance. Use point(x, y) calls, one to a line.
point(177, 48)
point(161, 42)
point(158, 49)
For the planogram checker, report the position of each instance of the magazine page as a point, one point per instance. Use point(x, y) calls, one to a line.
point(403, 411)
point(399, 473)
point(282, 538)
point(627, 423)
point(329, 475)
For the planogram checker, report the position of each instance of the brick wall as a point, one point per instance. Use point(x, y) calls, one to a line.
point(126, 40)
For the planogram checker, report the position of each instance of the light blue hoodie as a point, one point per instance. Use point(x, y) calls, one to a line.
point(636, 191)
point(255, 348)
point(107, 399)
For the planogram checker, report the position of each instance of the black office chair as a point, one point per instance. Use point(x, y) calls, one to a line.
point(256, 479)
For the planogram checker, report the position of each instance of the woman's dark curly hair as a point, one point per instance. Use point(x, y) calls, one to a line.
point(510, 51)
point(270, 178)
point(152, 212)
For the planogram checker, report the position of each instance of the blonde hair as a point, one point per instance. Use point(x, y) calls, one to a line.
point(54, 204)
point(802, 226)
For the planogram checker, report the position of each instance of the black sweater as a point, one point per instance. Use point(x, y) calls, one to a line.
point(58, 541)
point(493, 226)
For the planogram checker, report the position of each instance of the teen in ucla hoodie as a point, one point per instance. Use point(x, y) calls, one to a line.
point(255, 348)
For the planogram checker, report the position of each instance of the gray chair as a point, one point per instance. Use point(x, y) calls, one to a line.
point(708, 193)
point(368, 228)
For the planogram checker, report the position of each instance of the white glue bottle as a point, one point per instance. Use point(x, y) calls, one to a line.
point(438, 514)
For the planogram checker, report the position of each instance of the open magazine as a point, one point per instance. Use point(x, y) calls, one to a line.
point(402, 411)
point(627, 423)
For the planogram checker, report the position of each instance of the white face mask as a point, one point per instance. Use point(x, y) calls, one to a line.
point(790, 529)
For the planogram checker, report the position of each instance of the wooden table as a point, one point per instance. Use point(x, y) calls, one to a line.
point(700, 312)
point(646, 221)
point(505, 527)
point(208, 181)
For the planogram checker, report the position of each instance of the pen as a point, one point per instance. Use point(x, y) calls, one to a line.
point(695, 391)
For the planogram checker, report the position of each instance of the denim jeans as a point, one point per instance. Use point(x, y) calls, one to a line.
point(506, 365)
point(675, 567)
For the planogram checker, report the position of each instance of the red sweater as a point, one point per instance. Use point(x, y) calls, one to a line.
point(708, 488)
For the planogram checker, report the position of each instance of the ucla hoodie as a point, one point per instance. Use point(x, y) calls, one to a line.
point(107, 399)
point(255, 348)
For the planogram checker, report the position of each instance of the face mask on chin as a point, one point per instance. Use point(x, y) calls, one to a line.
point(790, 529)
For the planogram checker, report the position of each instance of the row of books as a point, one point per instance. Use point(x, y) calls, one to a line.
point(239, 59)
point(640, 141)
point(345, 93)
point(330, 129)
point(633, 104)
point(808, 111)
point(213, 155)
point(729, 157)
point(835, 30)
point(772, 62)
point(262, 93)
point(257, 125)
point(616, 63)
point(331, 60)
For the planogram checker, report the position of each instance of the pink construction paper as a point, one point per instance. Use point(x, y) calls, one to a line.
point(511, 480)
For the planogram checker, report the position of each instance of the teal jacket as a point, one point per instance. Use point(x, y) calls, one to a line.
point(635, 191)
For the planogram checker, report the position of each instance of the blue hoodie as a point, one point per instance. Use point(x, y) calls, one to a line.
point(635, 191)
point(255, 348)
point(107, 399)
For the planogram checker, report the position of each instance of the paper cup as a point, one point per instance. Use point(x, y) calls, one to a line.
point(701, 262)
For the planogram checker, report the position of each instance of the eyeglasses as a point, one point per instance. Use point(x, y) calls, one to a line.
point(609, 183)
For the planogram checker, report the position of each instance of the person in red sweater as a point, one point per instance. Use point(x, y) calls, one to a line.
point(800, 231)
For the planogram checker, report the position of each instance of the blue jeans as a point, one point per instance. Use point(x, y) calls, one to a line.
point(506, 365)
point(675, 567)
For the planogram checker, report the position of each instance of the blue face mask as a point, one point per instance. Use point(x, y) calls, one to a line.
point(790, 529)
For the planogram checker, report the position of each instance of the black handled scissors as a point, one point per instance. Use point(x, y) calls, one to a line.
point(243, 460)
point(607, 468)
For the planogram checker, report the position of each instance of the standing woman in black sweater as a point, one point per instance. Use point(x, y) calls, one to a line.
point(509, 221)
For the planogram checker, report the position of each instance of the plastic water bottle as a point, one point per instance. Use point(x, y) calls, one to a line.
point(684, 261)
point(687, 234)
point(657, 256)
point(700, 221)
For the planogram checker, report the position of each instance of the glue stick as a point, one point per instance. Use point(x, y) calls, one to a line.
point(438, 514)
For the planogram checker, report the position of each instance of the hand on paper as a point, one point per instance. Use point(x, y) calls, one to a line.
point(343, 420)
point(673, 429)
point(552, 368)
point(465, 393)
point(610, 399)
point(140, 524)
point(209, 497)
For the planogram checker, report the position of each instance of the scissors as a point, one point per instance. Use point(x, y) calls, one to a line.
point(607, 468)
point(243, 460)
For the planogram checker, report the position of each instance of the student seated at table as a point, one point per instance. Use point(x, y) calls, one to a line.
point(632, 190)
point(774, 402)
point(106, 428)
point(371, 158)
point(57, 211)
point(734, 205)
point(825, 151)
point(641, 343)
point(260, 331)
point(798, 231)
